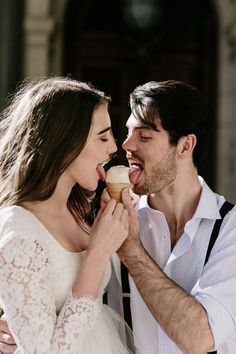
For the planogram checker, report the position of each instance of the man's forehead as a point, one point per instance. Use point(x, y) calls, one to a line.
point(134, 123)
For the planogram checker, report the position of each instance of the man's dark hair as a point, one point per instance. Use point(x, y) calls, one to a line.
point(181, 108)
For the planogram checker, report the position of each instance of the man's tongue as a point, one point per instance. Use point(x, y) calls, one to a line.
point(101, 172)
point(134, 173)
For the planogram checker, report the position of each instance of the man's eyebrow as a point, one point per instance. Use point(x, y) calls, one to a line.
point(148, 127)
point(104, 130)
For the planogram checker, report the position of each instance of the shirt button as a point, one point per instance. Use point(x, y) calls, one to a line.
point(163, 237)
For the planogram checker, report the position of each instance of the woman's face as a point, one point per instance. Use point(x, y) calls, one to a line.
point(86, 168)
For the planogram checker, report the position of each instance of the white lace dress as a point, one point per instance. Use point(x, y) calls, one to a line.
point(36, 275)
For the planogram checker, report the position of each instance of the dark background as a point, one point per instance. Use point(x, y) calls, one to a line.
point(105, 45)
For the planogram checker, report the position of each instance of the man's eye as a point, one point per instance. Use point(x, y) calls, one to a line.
point(144, 138)
point(104, 139)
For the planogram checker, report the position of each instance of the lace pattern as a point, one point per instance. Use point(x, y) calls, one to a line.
point(79, 314)
point(27, 297)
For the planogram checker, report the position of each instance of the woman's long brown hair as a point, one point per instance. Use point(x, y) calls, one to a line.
point(43, 130)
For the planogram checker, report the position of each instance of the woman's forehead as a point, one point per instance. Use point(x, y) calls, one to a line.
point(101, 119)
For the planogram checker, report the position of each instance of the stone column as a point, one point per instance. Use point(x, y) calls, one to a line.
point(226, 131)
point(38, 29)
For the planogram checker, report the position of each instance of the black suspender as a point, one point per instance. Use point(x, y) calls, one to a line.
point(226, 207)
point(126, 294)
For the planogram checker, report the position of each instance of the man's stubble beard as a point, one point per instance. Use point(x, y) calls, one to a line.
point(161, 175)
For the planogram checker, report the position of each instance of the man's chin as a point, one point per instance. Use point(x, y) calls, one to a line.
point(139, 190)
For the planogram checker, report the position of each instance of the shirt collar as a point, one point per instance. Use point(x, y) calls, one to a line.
point(207, 208)
point(143, 202)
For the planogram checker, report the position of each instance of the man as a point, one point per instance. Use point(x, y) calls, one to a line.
point(178, 304)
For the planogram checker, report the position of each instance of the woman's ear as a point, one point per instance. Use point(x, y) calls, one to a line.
point(187, 144)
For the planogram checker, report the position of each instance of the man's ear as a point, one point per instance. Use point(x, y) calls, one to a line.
point(186, 144)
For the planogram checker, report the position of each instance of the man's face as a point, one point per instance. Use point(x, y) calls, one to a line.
point(151, 158)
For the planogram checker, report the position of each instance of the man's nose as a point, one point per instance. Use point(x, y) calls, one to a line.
point(129, 144)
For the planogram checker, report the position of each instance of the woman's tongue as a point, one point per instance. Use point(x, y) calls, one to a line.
point(101, 172)
point(134, 173)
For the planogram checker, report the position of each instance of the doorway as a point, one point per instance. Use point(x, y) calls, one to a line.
point(105, 46)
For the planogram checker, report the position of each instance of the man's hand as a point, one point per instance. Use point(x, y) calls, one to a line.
point(129, 199)
point(7, 343)
point(128, 202)
point(132, 241)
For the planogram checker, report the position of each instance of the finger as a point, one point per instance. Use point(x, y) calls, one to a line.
point(118, 211)
point(134, 197)
point(127, 201)
point(125, 217)
point(102, 205)
point(110, 206)
point(108, 210)
point(105, 197)
point(98, 217)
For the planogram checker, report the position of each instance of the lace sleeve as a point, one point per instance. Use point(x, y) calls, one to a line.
point(28, 301)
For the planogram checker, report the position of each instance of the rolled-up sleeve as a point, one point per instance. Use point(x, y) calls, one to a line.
point(216, 288)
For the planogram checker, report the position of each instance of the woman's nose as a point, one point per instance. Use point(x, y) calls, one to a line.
point(112, 147)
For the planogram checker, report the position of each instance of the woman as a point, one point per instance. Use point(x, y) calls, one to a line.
point(55, 138)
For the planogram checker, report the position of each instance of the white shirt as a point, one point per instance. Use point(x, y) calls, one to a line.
point(214, 286)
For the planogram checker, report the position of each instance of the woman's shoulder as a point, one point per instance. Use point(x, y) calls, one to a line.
point(14, 217)
point(15, 223)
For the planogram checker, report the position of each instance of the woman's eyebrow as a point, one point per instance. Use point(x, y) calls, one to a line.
point(104, 130)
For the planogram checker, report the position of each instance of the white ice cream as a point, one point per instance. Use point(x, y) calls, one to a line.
point(118, 174)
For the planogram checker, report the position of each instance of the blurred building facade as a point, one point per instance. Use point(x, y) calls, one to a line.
point(122, 43)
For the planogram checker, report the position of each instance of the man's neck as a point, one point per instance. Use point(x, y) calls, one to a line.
point(179, 205)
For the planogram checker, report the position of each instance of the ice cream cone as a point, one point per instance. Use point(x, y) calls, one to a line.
point(117, 179)
point(115, 189)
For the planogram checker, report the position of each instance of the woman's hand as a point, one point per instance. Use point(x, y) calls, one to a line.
point(7, 343)
point(105, 197)
point(110, 228)
point(132, 242)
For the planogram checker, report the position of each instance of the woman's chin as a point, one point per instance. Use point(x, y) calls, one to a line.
point(92, 188)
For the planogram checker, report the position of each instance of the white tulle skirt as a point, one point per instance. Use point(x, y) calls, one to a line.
point(110, 335)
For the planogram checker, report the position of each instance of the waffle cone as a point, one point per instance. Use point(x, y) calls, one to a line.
point(115, 189)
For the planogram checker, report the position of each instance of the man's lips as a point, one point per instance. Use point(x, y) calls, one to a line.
point(135, 170)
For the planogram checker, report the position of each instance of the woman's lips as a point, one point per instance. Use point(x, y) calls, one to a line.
point(101, 172)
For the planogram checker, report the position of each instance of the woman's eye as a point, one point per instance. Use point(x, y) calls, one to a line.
point(105, 137)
